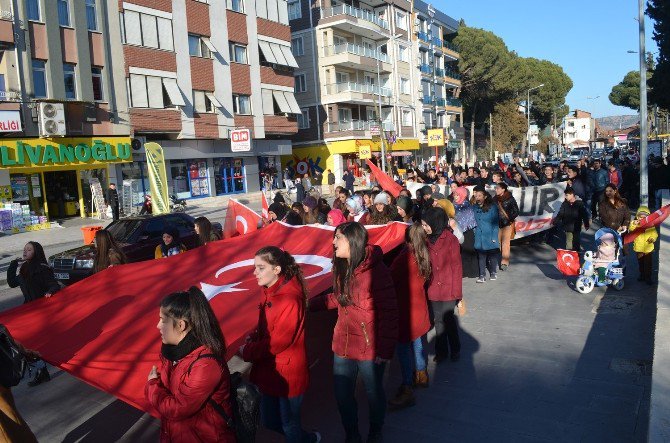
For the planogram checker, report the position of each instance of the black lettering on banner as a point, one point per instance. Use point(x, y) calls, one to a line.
point(547, 195)
point(524, 211)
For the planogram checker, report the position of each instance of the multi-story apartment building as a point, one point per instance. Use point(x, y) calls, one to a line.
point(438, 78)
point(355, 84)
point(197, 69)
point(578, 129)
point(63, 109)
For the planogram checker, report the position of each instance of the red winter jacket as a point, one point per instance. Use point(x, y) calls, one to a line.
point(414, 320)
point(368, 327)
point(182, 399)
point(277, 350)
point(446, 283)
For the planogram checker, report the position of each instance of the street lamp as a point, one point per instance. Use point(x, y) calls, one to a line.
point(528, 112)
point(379, 96)
point(644, 177)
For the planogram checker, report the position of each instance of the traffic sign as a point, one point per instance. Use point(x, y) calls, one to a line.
point(240, 140)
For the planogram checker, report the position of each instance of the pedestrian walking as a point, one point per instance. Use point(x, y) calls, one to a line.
point(349, 180)
point(508, 211)
point(36, 280)
point(203, 228)
point(112, 200)
point(366, 331)
point(276, 348)
point(170, 244)
point(643, 245)
point(598, 180)
point(613, 210)
point(487, 244)
point(318, 181)
point(465, 218)
point(300, 191)
point(445, 287)
point(107, 252)
point(331, 182)
point(193, 383)
point(571, 217)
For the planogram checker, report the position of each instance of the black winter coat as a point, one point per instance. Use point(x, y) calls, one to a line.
point(508, 209)
point(571, 216)
point(40, 281)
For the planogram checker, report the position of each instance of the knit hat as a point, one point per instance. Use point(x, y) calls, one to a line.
point(310, 202)
point(355, 202)
point(437, 219)
point(642, 210)
point(337, 217)
point(405, 203)
point(382, 198)
point(279, 209)
point(447, 206)
point(460, 194)
point(278, 198)
point(426, 190)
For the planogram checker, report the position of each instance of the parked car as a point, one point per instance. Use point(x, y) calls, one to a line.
point(577, 154)
point(137, 235)
point(598, 154)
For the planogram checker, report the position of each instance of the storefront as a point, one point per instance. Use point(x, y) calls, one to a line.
point(51, 178)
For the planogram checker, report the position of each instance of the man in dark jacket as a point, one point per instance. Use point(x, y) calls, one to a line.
point(331, 182)
point(598, 180)
point(349, 180)
point(508, 211)
point(570, 217)
point(112, 199)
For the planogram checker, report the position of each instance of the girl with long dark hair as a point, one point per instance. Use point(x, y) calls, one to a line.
point(107, 252)
point(411, 270)
point(277, 347)
point(203, 227)
point(613, 209)
point(36, 280)
point(193, 383)
point(366, 331)
point(170, 245)
point(487, 243)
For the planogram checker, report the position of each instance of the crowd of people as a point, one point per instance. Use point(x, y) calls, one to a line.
point(385, 304)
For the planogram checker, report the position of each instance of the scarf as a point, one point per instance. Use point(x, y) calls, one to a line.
point(181, 350)
point(465, 216)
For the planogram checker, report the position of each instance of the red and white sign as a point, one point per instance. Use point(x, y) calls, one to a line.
point(10, 121)
point(240, 140)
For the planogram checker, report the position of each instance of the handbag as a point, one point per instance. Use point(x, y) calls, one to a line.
point(462, 309)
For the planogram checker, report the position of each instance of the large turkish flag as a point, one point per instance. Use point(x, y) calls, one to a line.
point(103, 329)
point(240, 219)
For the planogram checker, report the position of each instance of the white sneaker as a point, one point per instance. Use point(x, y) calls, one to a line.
point(481, 280)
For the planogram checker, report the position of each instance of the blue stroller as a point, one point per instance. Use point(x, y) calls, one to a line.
point(588, 278)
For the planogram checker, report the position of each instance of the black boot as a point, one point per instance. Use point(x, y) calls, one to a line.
point(42, 376)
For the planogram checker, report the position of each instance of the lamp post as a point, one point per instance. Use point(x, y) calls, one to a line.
point(528, 112)
point(644, 171)
point(379, 97)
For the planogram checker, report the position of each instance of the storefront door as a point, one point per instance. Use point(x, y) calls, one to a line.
point(230, 176)
point(62, 194)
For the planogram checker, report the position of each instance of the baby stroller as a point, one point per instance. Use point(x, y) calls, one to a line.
point(614, 270)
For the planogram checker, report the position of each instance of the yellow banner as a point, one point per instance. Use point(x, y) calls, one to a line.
point(364, 152)
point(160, 203)
point(436, 137)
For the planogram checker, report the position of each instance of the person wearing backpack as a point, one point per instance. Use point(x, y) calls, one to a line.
point(192, 390)
point(36, 280)
point(277, 348)
point(12, 426)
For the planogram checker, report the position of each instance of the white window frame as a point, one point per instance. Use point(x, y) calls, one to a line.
point(298, 83)
point(294, 12)
point(341, 112)
point(201, 102)
point(295, 46)
point(241, 9)
point(404, 121)
point(164, 37)
point(39, 12)
point(401, 20)
point(203, 49)
point(142, 84)
point(233, 53)
point(404, 85)
point(237, 104)
point(303, 119)
point(403, 53)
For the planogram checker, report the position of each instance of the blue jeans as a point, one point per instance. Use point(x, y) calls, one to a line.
point(345, 373)
point(407, 366)
point(282, 414)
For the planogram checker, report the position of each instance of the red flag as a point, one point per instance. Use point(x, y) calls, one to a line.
point(240, 219)
point(384, 180)
point(265, 211)
point(568, 261)
point(103, 329)
point(653, 219)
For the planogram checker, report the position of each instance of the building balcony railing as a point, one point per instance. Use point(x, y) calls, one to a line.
point(363, 88)
point(439, 101)
point(352, 48)
point(427, 100)
point(439, 72)
point(437, 42)
point(355, 12)
point(449, 45)
point(452, 74)
point(453, 101)
point(423, 36)
point(357, 125)
point(425, 69)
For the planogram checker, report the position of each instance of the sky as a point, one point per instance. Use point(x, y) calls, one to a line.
point(589, 39)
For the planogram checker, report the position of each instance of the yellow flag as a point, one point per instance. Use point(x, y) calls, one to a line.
point(160, 203)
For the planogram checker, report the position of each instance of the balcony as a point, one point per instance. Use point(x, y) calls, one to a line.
point(439, 72)
point(426, 69)
point(450, 50)
point(353, 16)
point(351, 92)
point(357, 127)
point(356, 57)
point(427, 100)
point(454, 105)
point(424, 37)
point(440, 102)
point(437, 42)
point(452, 77)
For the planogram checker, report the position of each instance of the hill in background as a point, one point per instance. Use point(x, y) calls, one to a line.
point(618, 121)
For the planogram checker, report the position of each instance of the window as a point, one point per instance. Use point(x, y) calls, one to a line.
point(96, 75)
point(297, 46)
point(294, 9)
point(274, 10)
point(401, 20)
point(69, 78)
point(63, 13)
point(201, 102)
point(403, 53)
point(303, 119)
point(154, 92)
point(39, 79)
point(404, 85)
point(406, 118)
point(300, 83)
point(91, 17)
point(146, 30)
point(238, 53)
point(236, 5)
point(33, 9)
point(344, 115)
point(241, 104)
point(197, 46)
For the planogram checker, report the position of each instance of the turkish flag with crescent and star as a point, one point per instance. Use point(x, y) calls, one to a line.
point(103, 328)
point(568, 261)
point(653, 219)
point(240, 219)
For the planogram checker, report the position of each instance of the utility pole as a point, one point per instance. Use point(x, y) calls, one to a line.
point(644, 169)
point(491, 134)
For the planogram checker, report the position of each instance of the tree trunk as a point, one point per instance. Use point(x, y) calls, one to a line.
point(471, 151)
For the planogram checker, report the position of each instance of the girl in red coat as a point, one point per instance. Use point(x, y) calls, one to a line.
point(193, 382)
point(366, 331)
point(277, 348)
point(410, 270)
point(445, 288)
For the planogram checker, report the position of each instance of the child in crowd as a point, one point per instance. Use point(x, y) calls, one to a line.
point(605, 255)
point(643, 245)
point(571, 217)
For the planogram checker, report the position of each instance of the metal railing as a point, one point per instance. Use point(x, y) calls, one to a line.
point(425, 69)
point(355, 12)
point(439, 101)
point(439, 72)
point(437, 42)
point(364, 88)
point(427, 100)
point(453, 101)
point(352, 48)
point(423, 36)
point(449, 45)
point(358, 125)
point(452, 74)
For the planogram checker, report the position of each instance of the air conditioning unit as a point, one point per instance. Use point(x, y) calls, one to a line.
point(52, 119)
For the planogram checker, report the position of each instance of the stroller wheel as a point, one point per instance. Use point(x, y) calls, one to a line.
point(618, 284)
point(584, 284)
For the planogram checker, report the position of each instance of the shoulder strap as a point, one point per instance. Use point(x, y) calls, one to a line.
point(217, 407)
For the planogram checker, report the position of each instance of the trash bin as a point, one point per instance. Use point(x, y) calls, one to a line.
point(89, 233)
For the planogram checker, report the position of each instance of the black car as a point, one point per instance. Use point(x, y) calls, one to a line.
point(138, 236)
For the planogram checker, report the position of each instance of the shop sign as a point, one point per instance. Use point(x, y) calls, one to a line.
point(364, 152)
point(10, 121)
point(240, 140)
point(42, 153)
point(436, 137)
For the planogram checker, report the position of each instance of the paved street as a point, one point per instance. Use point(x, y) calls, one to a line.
point(540, 362)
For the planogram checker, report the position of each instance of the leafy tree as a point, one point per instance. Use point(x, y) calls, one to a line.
point(659, 11)
point(545, 100)
point(627, 92)
point(509, 126)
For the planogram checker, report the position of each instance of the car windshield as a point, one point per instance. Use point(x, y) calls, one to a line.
point(122, 230)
